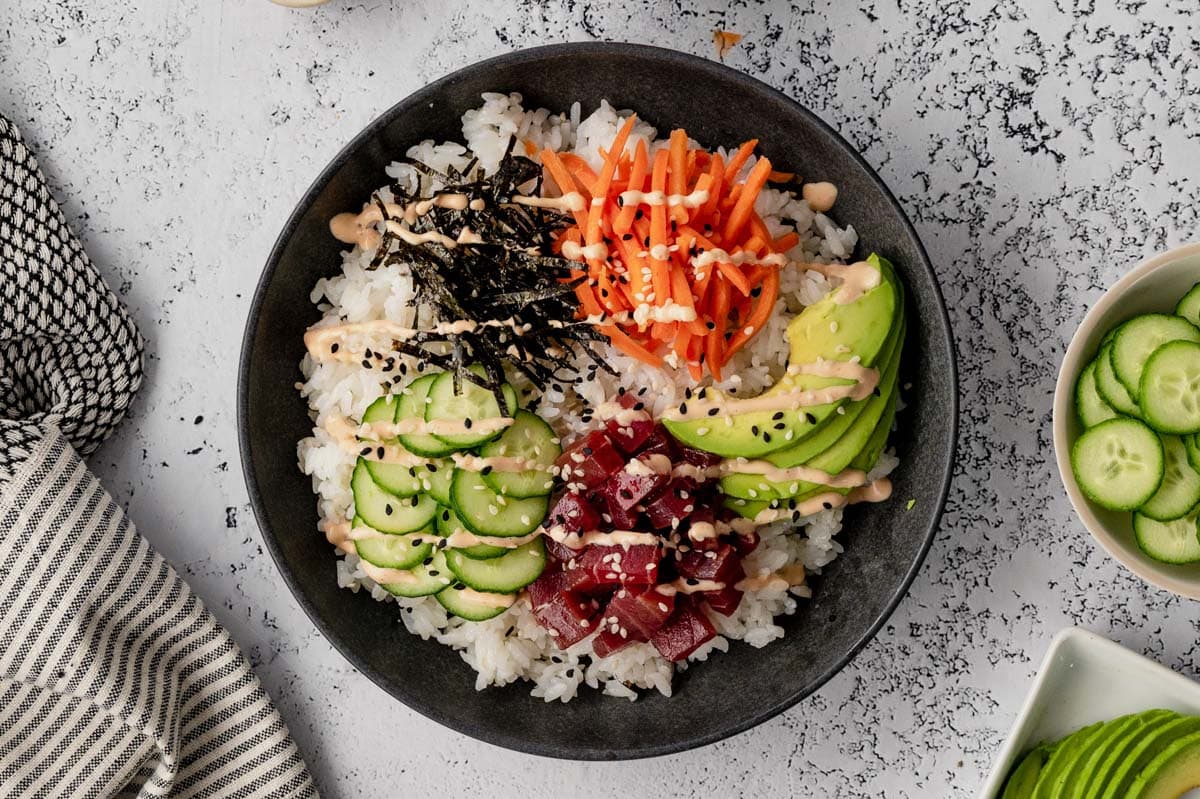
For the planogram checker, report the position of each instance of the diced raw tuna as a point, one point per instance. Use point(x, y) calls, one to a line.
point(600, 569)
point(573, 512)
point(630, 435)
point(660, 443)
point(591, 460)
point(698, 457)
point(560, 553)
point(625, 490)
point(704, 517)
point(676, 502)
point(745, 543)
point(569, 617)
point(722, 565)
point(620, 518)
point(639, 613)
point(685, 632)
point(609, 641)
point(725, 601)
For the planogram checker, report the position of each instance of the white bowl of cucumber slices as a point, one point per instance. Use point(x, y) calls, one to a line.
point(1127, 420)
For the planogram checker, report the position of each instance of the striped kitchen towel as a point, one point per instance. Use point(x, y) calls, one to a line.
point(114, 678)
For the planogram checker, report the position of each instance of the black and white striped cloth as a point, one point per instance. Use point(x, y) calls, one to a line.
point(114, 678)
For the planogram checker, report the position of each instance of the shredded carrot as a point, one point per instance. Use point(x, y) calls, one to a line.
point(645, 257)
point(781, 177)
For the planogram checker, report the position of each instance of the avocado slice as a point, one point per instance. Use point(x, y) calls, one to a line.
point(1023, 778)
point(878, 415)
point(1173, 772)
point(1060, 761)
point(1068, 774)
point(1144, 750)
point(840, 422)
point(1107, 750)
point(824, 330)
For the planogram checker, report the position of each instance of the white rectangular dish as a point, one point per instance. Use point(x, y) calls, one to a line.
point(1086, 678)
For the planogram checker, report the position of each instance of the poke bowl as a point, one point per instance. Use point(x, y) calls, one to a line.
point(592, 423)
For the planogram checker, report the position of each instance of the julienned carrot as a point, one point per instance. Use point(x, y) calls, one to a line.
point(677, 183)
point(637, 182)
point(758, 317)
point(745, 201)
point(781, 177)
point(658, 229)
point(652, 247)
point(739, 160)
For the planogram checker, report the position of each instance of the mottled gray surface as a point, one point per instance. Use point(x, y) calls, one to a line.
point(1040, 147)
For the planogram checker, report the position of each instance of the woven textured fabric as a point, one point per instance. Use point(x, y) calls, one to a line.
point(114, 678)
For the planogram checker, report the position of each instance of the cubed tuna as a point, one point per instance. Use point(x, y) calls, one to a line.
point(674, 504)
point(639, 612)
point(590, 460)
point(625, 489)
point(722, 565)
point(685, 631)
point(573, 513)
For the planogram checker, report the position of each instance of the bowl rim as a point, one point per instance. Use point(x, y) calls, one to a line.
point(406, 105)
point(1064, 391)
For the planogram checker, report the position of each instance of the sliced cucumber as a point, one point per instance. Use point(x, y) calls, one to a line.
point(448, 524)
point(484, 512)
point(464, 604)
point(1192, 444)
point(1090, 406)
point(471, 404)
point(386, 512)
point(397, 551)
point(1180, 489)
point(510, 572)
point(381, 410)
point(397, 479)
point(1170, 388)
point(428, 577)
point(1170, 542)
point(1110, 388)
point(1135, 340)
point(412, 406)
point(530, 439)
point(1189, 306)
point(438, 480)
point(1118, 463)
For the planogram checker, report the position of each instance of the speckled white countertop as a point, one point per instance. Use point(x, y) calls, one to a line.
point(1041, 148)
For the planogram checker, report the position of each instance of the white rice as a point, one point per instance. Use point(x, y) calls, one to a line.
point(513, 645)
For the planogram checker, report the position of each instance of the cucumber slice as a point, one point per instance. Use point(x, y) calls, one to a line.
point(484, 512)
point(397, 479)
point(1180, 489)
point(1118, 463)
point(467, 604)
point(1189, 306)
point(1135, 340)
point(531, 439)
point(1110, 388)
point(472, 403)
point(397, 551)
point(1090, 406)
point(412, 406)
point(448, 524)
point(386, 512)
point(1170, 542)
point(1170, 388)
point(428, 577)
point(438, 480)
point(1192, 445)
point(510, 572)
point(391, 477)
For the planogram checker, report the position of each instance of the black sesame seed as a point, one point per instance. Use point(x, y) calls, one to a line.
point(587, 451)
point(431, 467)
point(467, 423)
point(713, 411)
point(416, 500)
point(808, 417)
point(366, 364)
point(627, 237)
point(459, 586)
point(427, 561)
point(683, 408)
point(486, 470)
point(365, 451)
point(780, 425)
point(388, 509)
point(827, 505)
point(639, 214)
point(754, 430)
point(711, 325)
point(638, 406)
point(767, 437)
point(334, 347)
point(756, 291)
point(777, 416)
point(380, 451)
point(693, 581)
point(434, 572)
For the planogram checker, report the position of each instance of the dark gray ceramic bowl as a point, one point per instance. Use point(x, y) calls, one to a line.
point(885, 543)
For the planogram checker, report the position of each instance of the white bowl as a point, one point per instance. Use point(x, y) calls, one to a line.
point(1155, 284)
point(1086, 678)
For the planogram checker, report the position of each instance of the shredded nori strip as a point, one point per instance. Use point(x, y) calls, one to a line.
point(512, 274)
